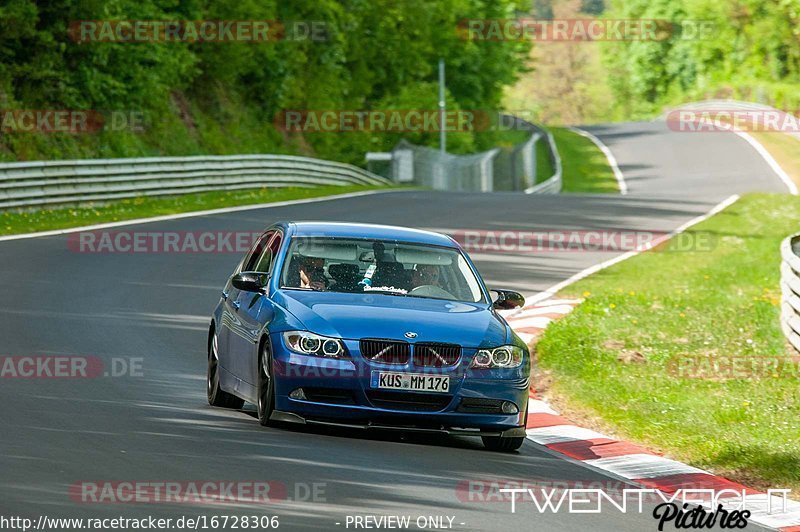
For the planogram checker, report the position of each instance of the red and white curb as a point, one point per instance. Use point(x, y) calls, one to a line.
point(649, 470)
point(629, 461)
point(530, 321)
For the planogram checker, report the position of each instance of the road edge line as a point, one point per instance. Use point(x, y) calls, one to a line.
point(190, 214)
point(770, 160)
point(553, 290)
point(612, 161)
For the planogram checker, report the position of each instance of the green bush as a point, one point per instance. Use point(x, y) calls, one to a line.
point(222, 97)
point(751, 52)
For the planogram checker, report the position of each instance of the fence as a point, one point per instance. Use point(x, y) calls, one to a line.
point(514, 167)
point(445, 171)
point(790, 286)
point(552, 184)
point(39, 183)
point(511, 168)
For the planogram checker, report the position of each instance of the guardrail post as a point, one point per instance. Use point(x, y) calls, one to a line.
point(790, 290)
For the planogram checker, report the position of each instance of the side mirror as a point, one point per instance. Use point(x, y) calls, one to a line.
point(508, 300)
point(250, 281)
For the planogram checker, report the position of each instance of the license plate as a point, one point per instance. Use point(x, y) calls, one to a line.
point(389, 380)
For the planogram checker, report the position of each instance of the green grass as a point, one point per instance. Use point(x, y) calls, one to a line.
point(143, 207)
point(585, 168)
point(610, 360)
point(785, 149)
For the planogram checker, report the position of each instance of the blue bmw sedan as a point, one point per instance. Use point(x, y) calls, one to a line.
point(368, 326)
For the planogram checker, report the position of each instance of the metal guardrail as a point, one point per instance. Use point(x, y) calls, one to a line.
point(790, 287)
point(551, 185)
point(500, 169)
point(40, 183)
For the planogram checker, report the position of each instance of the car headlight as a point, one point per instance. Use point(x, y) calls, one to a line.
point(308, 343)
point(505, 356)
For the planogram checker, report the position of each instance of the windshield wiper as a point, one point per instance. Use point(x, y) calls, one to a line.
point(306, 289)
point(385, 292)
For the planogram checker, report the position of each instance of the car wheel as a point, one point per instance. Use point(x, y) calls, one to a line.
point(217, 396)
point(498, 443)
point(266, 386)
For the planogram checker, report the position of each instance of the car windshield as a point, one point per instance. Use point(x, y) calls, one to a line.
point(380, 266)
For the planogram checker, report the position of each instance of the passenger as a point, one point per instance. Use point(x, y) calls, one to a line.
point(312, 273)
point(425, 274)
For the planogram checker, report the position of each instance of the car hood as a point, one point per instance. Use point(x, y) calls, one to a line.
point(355, 316)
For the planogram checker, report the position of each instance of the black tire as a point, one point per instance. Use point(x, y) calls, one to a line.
point(216, 395)
point(505, 445)
point(266, 385)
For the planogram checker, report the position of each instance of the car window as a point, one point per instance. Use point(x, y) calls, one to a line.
point(380, 266)
point(267, 259)
point(472, 287)
point(254, 256)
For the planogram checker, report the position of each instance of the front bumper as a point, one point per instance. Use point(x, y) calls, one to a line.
point(290, 417)
point(349, 400)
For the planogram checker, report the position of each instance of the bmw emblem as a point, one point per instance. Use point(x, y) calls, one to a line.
point(410, 334)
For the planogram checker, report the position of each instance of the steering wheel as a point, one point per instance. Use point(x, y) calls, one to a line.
point(430, 290)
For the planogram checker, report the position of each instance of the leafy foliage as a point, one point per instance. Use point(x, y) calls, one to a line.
point(222, 97)
point(751, 51)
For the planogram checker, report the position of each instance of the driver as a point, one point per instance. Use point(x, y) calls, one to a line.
point(425, 274)
point(312, 273)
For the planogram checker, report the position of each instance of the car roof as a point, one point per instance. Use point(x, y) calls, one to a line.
point(378, 232)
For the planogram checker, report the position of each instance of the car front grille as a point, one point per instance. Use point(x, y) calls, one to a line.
point(412, 402)
point(436, 355)
point(385, 351)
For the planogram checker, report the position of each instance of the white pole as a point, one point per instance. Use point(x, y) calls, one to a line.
point(442, 132)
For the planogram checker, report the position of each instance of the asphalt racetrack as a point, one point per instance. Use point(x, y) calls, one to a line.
point(156, 307)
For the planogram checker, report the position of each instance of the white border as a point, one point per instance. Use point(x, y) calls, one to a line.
point(612, 161)
point(550, 292)
point(770, 160)
point(192, 214)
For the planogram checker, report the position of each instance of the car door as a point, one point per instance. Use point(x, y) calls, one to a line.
point(253, 311)
point(222, 332)
point(232, 325)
